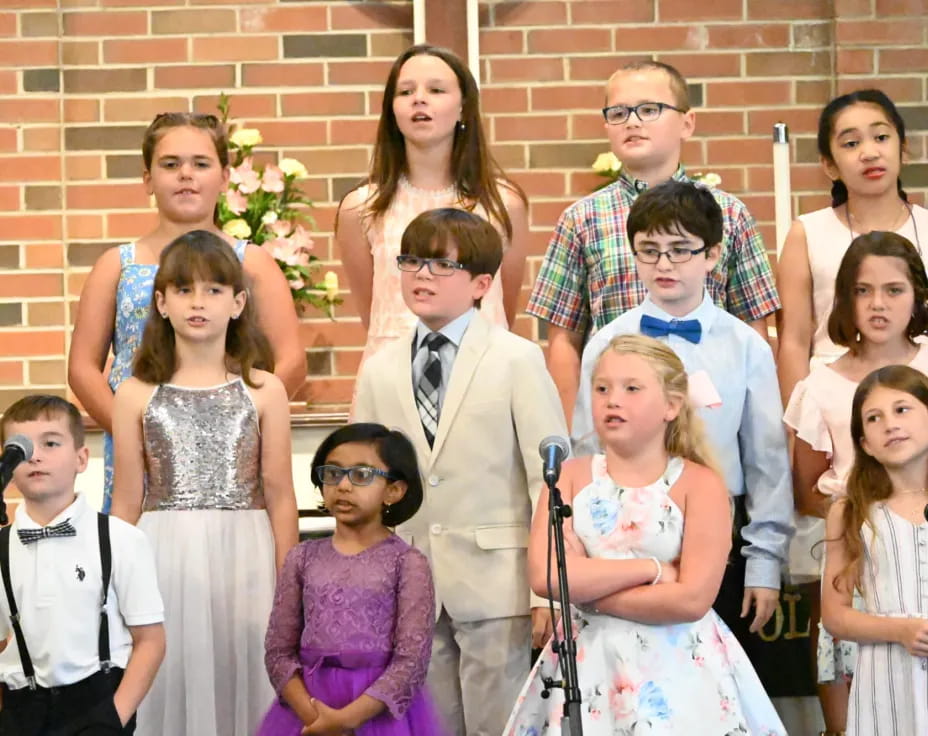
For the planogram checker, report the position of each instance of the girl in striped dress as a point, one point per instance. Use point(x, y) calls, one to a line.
point(877, 542)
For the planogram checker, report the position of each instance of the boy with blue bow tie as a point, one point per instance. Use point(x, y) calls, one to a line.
point(675, 230)
point(80, 593)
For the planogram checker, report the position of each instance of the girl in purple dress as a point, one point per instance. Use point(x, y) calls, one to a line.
point(350, 634)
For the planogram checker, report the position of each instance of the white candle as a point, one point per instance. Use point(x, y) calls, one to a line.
point(418, 21)
point(473, 39)
point(781, 185)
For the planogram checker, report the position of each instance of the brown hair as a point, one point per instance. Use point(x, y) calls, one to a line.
point(476, 174)
point(164, 121)
point(842, 327)
point(200, 255)
point(684, 436)
point(479, 246)
point(44, 406)
point(868, 481)
point(681, 94)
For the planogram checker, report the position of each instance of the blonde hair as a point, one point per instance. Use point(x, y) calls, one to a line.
point(684, 436)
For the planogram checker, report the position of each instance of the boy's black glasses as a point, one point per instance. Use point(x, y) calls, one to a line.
point(359, 475)
point(437, 266)
point(644, 111)
point(674, 255)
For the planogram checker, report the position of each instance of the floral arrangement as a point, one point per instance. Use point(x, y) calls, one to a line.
point(608, 166)
point(265, 205)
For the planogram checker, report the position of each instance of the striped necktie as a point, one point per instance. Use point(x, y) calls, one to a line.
point(427, 390)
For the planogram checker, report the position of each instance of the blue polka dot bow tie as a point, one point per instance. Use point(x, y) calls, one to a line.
point(688, 329)
point(64, 529)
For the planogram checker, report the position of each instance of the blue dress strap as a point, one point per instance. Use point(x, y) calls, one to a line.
point(126, 254)
point(240, 247)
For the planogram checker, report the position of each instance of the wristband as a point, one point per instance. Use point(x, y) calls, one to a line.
point(660, 571)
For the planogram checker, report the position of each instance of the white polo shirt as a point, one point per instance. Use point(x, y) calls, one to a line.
point(57, 587)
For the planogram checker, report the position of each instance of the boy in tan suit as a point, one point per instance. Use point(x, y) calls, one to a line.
point(476, 401)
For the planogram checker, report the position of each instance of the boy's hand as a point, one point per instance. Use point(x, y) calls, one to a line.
point(765, 602)
point(327, 723)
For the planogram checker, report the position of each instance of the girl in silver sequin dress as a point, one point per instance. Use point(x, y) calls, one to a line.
point(203, 457)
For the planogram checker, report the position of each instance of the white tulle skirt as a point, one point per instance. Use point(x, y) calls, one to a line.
point(216, 573)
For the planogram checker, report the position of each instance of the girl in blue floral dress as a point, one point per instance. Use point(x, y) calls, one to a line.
point(647, 546)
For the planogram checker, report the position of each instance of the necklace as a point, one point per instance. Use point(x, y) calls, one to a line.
point(911, 490)
point(903, 215)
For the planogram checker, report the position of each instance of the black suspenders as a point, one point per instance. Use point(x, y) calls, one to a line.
point(106, 563)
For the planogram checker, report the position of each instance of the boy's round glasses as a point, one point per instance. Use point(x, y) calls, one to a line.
point(644, 111)
point(674, 255)
point(359, 475)
point(437, 266)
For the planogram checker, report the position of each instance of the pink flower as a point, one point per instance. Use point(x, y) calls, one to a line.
point(288, 251)
point(273, 179)
point(236, 201)
point(245, 177)
point(296, 284)
point(281, 228)
point(300, 237)
point(623, 697)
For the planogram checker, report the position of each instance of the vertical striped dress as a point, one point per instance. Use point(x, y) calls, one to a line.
point(889, 695)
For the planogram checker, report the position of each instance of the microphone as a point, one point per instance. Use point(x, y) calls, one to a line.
point(16, 450)
point(553, 450)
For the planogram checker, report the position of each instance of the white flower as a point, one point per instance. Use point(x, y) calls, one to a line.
point(237, 228)
point(330, 282)
point(292, 167)
point(710, 179)
point(269, 217)
point(607, 163)
point(244, 137)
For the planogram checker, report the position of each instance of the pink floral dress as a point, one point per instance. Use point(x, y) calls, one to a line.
point(638, 679)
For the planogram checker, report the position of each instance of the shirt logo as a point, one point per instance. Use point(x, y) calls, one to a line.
point(80, 573)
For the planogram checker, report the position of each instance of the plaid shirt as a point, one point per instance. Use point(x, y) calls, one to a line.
point(589, 271)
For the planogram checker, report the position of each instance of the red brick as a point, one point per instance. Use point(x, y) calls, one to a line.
point(815, 92)
point(30, 168)
point(676, 10)
point(188, 22)
point(896, 32)
point(810, 202)
point(145, 51)
point(353, 16)
point(297, 74)
point(903, 60)
point(292, 132)
point(29, 4)
point(326, 334)
point(899, 89)
point(503, 99)
point(7, 24)
point(515, 13)
point(555, 40)
point(106, 196)
point(599, 68)
point(84, 167)
point(530, 128)
point(544, 69)
point(11, 372)
point(9, 197)
point(657, 38)
point(236, 48)
point(347, 132)
point(8, 144)
point(122, 109)
point(130, 225)
point(546, 214)
point(347, 362)
point(502, 41)
point(789, 9)
point(788, 63)
point(800, 120)
point(28, 110)
point(139, 3)
point(29, 227)
point(739, 151)
point(584, 182)
point(80, 53)
point(711, 122)
point(43, 255)
point(705, 65)
point(323, 103)
point(288, 20)
point(194, 77)
point(84, 227)
point(573, 97)
point(81, 110)
point(45, 342)
point(325, 391)
point(41, 139)
point(749, 36)
point(542, 183)
point(359, 72)
point(855, 61)
point(9, 82)
point(611, 11)
point(740, 94)
point(900, 7)
point(849, 8)
point(39, 53)
point(106, 23)
point(241, 106)
point(587, 126)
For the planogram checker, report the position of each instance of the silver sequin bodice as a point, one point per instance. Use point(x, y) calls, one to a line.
point(202, 449)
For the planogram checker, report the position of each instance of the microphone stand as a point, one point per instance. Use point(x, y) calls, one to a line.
point(566, 648)
point(5, 478)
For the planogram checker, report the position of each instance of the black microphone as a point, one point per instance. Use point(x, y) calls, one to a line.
point(18, 449)
point(553, 451)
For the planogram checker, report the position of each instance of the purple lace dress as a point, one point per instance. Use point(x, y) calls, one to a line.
point(353, 625)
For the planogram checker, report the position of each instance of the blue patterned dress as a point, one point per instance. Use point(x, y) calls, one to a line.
point(646, 679)
point(133, 305)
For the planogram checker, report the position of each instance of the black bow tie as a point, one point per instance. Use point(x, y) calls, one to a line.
point(64, 529)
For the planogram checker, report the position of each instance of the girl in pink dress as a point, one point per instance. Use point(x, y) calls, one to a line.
point(879, 308)
point(430, 152)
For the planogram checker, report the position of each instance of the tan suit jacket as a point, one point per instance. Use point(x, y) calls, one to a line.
point(483, 474)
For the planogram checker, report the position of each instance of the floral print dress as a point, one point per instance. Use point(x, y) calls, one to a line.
point(641, 679)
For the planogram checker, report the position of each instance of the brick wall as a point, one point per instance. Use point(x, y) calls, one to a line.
point(80, 79)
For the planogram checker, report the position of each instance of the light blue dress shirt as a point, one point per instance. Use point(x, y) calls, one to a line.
point(746, 430)
point(454, 331)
